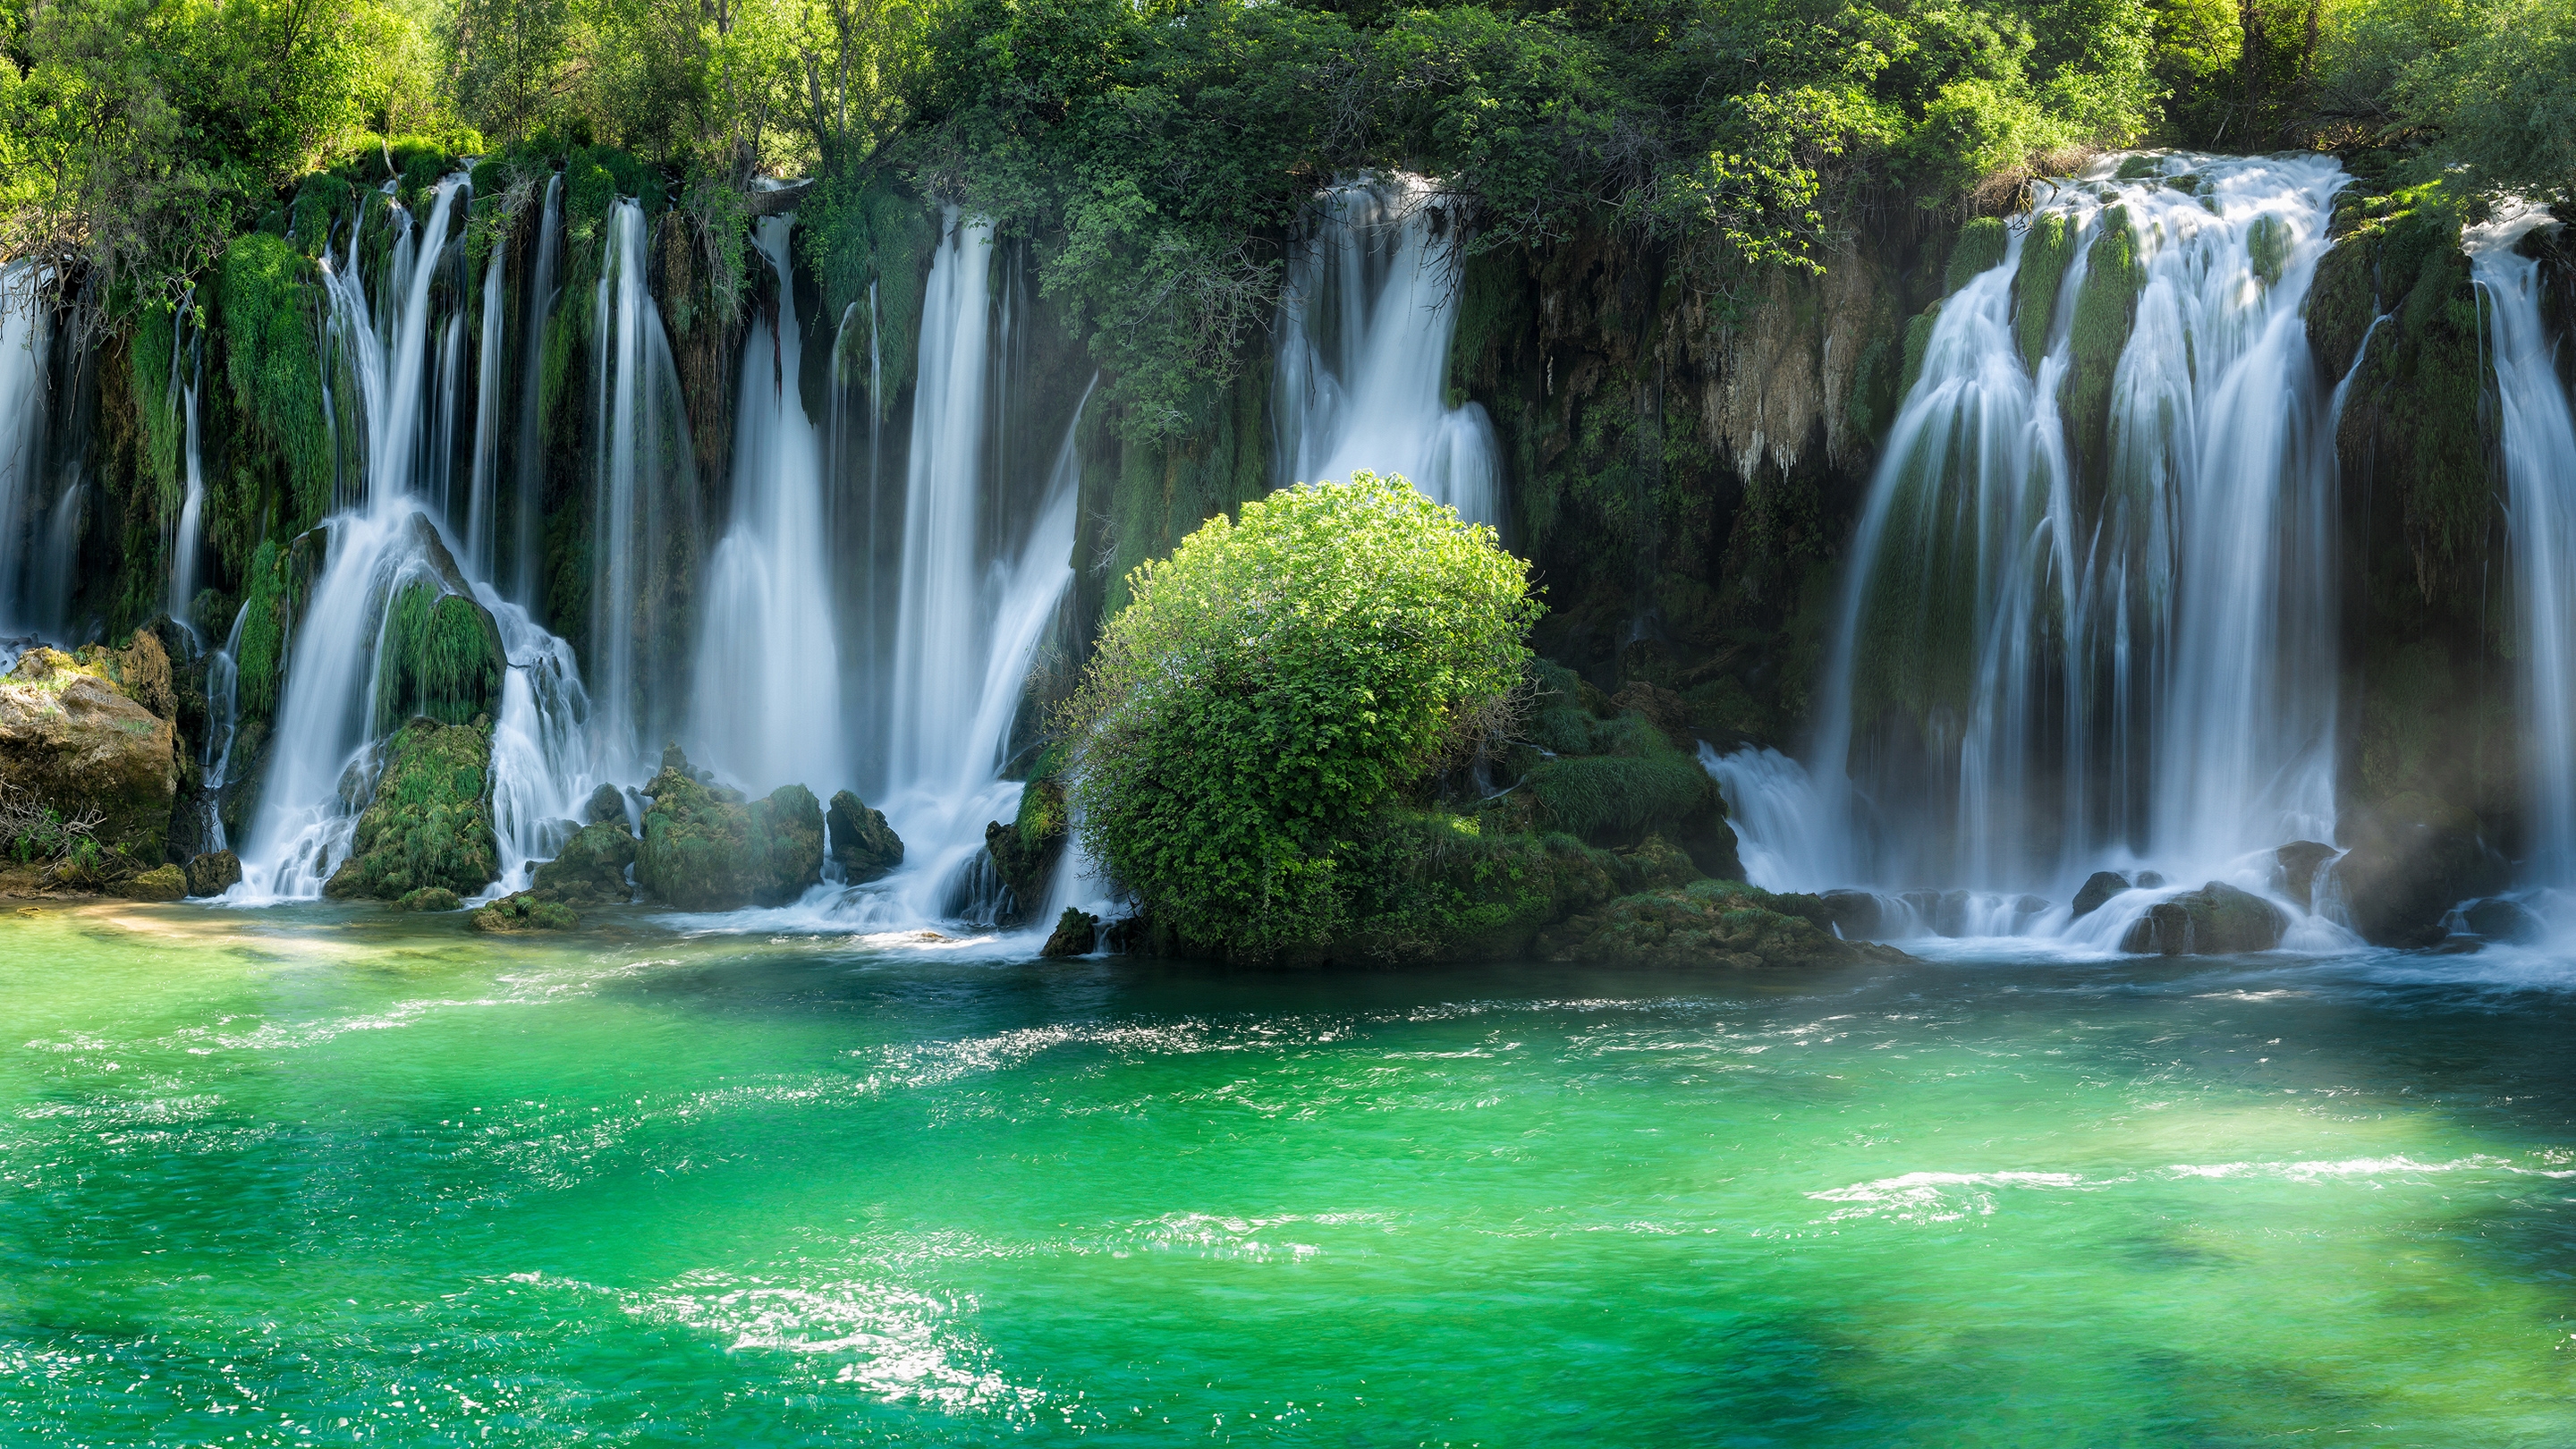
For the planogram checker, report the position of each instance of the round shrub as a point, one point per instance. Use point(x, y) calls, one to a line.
point(1272, 683)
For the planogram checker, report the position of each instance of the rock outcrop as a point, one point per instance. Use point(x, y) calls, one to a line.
point(1710, 923)
point(430, 824)
point(1076, 932)
point(213, 873)
point(161, 883)
point(70, 737)
point(523, 912)
point(864, 845)
point(706, 849)
point(2215, 920)
point(591, 870)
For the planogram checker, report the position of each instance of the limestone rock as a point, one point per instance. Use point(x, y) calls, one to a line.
point(706, 850)
point(430, 823)
point(866, 847)
point(2300, 860)
point(2215, 920)
point(2500, 919)
point(161, 883)
point(523, 912)
point(591, 870)
point(213, 873)
point(2098, 889)
point(1076, 933)
point(1710, 923)
point(72, 739)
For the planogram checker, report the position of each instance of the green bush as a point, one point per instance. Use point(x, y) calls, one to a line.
point(1274, 682)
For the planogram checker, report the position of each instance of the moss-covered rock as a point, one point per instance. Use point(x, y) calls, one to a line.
point(1709, 923)
point(591, 869)
point(2215, 920)
point(523, 912)
point(72, 738)
point(1076, 932)
point(440, 657)
point(2106, 308)
point(706, 850)
point(1025, 851)
point(213, 873)
point(429, 898)
point(864, 845)
point(269, 321)
point(161, 883)
point(2045, 253)
point(1982, 243)
point(430, 823)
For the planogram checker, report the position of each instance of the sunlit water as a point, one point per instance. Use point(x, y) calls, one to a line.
point(331, 1175)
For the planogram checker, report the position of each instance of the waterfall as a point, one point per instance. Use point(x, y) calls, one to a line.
point(644, 465)
point(768, 682)
point(481, 519)
point(26, 337)
point(938, 651)
point(2539, 448)
point(324, 764)
point(190, 544)
point(530, 501)
point(1364, 332)
point(2064, 644)
point(1784, 837)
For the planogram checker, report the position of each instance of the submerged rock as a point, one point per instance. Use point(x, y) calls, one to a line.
point(2215, 920)
point(866, 847)
point(213, 873)
point(524, 912)
point(429, 898)
point(705, 849)
point(161, 883)
point(591, 870)
point(1710, 923)
point(2500, 919)
point(1076, 933)
point(2098, 889)
point(70, 737)
point(2300, 860)
point(431, 821)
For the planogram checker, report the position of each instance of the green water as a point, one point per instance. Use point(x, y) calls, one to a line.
point(324, 1176)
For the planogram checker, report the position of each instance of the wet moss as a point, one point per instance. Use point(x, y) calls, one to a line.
point(263, 643)
point(269, 324)
point(1981, 247)
point(1918, 341)
point(430, 823)
point(440, 656)
point(2045, 253)
point(320, 203)
point(2106, 308)
point(1710, 923)
point(706, 850)
point(2268, 243)
point(160, 423)
point(871, 231)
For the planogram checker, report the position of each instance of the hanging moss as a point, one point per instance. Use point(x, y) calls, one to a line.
point(2045, 253)
point(440, 656)
point(273, 364)
point(1982, 243)
point(263, 641)
point(321, 202)
point(158, 422)
point(2106, 307)
point(854, 231)
point(2268, 240)
point(1918, 341)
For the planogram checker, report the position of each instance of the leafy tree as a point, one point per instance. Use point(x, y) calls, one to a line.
point(1274, 682)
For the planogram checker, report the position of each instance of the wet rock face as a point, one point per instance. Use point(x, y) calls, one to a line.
point(866, 847)
point(1076, 933)
point(70, 737)
point(1025, 851)
point(2499, 919)
point(706, 849)
point(161, 883)
point(2099, 887)
point(592, 868)
point(2215, 920)
point(607, 805)
point(213, 873)
point(430, 824)
point(2300, 860)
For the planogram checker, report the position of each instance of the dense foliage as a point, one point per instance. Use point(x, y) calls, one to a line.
point(1272, 683)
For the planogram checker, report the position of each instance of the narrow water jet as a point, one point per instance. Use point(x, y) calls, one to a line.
point(529, 503)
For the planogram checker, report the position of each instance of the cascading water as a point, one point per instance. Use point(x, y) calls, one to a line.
point(2538, 438)
point(190, 543)
point(767, 686)
point(1364, 331)
point(530, 499)
point(646, 479)
point(2066, 645)
point(324, 764)
point(482, 519)
point(26, 337)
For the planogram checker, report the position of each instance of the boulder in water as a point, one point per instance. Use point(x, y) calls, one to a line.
point(2500, 919)
point(161, 883)
point(1709, 923)
point(523, 912)
point(607, 806)
point(74, 740)
point(1025, 851)
point(429, 898)
point(2215, 920)
point(2098, 889)
point(2299, 861)
point(431, 821)
point(2411, 859)
point(1855, 913)
point(866, 847)
point(213, 873)
point(591, 869)
point(707, 850)
point(1076, 933)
